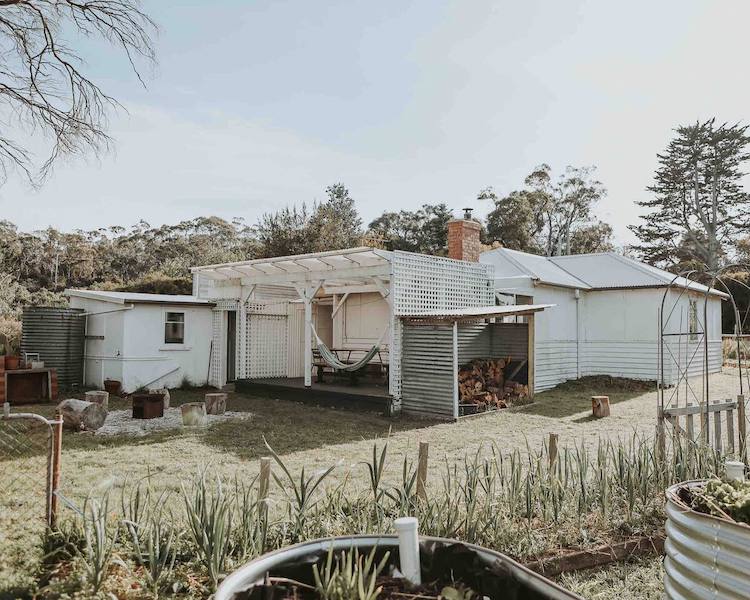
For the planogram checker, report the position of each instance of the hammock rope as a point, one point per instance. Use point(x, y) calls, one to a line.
point(333, 360)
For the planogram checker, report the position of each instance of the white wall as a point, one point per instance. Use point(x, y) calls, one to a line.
point(133, 350)
point(148, 361)
point(101, 356)
point(616, 333)
point(361, 321)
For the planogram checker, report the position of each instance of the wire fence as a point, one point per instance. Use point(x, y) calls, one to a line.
point(29, 475)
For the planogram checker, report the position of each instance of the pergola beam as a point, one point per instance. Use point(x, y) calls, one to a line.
point(306, 278)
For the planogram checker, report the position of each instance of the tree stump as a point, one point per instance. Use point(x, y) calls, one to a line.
point(194, 414)
point(216, 403)
point(81, 415)
point(164, 394)
point(98, 397)
point(600, 406)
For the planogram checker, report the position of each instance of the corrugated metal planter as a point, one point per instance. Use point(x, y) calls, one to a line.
point(289, 562)
point(706, 557)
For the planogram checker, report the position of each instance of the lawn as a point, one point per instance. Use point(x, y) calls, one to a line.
point(316, 438)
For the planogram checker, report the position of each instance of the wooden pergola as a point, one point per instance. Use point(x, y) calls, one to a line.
point(338, 272)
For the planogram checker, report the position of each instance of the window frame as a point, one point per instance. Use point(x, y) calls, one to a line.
point(693, 319)
point(167, 322)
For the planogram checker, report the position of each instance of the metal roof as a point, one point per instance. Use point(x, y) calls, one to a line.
point(609, 270)
point(536, 267)
point(600, 271)
point(476, 312)
point(136, 297)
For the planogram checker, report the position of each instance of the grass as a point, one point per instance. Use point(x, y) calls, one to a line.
point(524, 506)
point(636, 579)
point(317, 438)
point(574, 397)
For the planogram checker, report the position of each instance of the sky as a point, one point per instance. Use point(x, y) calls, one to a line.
point(254, 106)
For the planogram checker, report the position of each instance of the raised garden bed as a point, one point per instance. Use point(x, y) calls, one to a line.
point(449, 569)
point(707, 548)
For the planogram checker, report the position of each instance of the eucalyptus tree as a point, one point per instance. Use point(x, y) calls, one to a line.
point(550, 216)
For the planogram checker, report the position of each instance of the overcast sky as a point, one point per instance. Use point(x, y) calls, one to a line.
point(257, 105)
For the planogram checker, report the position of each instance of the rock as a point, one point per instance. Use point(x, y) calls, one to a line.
point(98, 397)
point(194, 414)
point(82, 415)
point(216, 403)
point(164, 393)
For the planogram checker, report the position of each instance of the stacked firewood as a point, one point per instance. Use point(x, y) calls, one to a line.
point(482, 383)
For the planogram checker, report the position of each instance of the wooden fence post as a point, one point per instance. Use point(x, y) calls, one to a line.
point(661, 437)
point(424, 448)
point(264, 481)
point(552, 451)
point(57, 433)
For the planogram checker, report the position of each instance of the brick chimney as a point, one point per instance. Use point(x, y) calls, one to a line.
point(463, 238)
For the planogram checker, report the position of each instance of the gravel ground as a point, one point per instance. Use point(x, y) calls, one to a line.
point(121, 422)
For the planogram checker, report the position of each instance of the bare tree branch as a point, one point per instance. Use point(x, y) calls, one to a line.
point(43, 88)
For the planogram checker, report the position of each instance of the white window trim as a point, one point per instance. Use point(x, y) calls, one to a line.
point(164, 345)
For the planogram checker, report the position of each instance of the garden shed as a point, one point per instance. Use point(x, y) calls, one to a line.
point(144, 340)
point(279, 322)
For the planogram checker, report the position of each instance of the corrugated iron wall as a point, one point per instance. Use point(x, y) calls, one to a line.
point(427, 360)
point(427, 370)
point(509, 339)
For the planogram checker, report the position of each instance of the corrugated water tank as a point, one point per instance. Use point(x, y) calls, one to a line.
point(57, 335)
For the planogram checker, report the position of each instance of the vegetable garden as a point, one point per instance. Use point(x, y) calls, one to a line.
point(532, 505)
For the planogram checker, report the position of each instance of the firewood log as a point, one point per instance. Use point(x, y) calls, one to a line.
point(80, 415)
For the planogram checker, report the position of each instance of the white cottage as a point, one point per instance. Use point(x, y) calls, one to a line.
point(144, 340)
point(279, 323)
point(606, 315)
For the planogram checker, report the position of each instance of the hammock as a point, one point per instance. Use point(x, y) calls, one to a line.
point(333, 360)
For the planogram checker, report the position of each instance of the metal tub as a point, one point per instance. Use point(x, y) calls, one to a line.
point(706, 557)
point(529, 585)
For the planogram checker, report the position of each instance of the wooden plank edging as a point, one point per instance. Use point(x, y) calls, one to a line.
point(599, 556)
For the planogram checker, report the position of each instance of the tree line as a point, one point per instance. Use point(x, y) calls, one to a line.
point(697, 216)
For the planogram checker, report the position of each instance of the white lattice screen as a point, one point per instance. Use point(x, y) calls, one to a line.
point(423, 283)
point(267, 345)
point(217, 370)
point(215, 378)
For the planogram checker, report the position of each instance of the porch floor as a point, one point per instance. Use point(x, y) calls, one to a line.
point(365, 395)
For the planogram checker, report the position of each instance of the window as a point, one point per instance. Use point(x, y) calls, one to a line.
point(174, 328)
point(521, 299)
point(693, 320)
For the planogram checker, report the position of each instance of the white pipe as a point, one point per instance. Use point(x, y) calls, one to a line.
point(408, 548)
point(578, 333)
point(735, 470)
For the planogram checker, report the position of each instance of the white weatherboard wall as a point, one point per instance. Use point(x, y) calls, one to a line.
point(127, 344)
point(104, 343)
point(615, 332)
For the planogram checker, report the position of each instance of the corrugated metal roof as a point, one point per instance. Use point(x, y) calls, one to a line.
point(606, 270)
point(477, 312)
point(136, 297)
point(536, 267)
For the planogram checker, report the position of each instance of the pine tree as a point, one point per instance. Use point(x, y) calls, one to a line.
point(698, 202)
